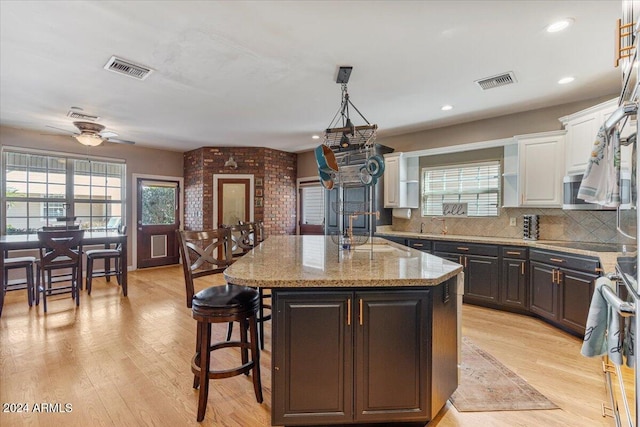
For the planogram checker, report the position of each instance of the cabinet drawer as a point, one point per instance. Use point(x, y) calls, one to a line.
point(516, 252)
point(465, 248)
point(562, 259)
point(420, 244)
point(400, 240)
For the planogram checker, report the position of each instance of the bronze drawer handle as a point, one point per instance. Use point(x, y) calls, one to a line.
point(599, 270)
point(522, 265)
point(513, 253)
point(462, 248)
point(418, 245)
point(349, 312)
point(556, 259)
point(361, 312)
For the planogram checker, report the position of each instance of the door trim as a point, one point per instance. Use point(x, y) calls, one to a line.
point(219, 176)
point(134, 198)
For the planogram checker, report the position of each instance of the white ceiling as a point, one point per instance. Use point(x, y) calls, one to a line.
point(262, 73)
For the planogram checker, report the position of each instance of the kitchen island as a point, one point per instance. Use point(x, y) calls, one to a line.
point(366, 335)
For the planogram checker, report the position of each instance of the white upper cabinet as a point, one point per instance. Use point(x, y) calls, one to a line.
point(401, 181)
point(582, 128)
point(540, 169)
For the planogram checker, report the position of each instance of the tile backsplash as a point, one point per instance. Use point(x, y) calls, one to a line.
point(555, 224)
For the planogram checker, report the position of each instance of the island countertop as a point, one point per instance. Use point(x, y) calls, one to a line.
point(316, 261)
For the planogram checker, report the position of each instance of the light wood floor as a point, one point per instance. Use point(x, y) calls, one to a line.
point(126, 362)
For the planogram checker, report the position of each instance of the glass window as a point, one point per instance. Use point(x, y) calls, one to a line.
point(477, 184)
point(40, 188)
point(312, 205)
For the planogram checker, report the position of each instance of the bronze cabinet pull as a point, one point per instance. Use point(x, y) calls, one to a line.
point(522, 268)
point(419, 245)
point(556, 259)
point(460, 248)
point(553, 275)
point(361, 312)
point(349, 312)
point(513, 253)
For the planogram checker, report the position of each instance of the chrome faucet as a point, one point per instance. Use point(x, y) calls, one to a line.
point(421, 227)
point(444, 224)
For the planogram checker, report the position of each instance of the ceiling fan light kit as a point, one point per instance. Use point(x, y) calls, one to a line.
point(90, 139)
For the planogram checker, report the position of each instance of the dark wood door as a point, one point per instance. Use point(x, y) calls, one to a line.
point(513, 286)
point(158, 213)
point(576, 290)
point(544, 293)
point(313, 379)
point(392, 344)
point(481, 277)
point(234, 201)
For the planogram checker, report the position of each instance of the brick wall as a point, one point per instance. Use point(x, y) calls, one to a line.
point(277, 169)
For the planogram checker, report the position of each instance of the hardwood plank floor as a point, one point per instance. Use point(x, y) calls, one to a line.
point(126, 362)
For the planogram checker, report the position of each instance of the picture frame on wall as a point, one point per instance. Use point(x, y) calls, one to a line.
point(258, 192)
point(258, 182)
point(258, 201)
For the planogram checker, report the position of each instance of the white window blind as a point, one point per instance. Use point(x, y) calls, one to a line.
point(312, 205)
point(477, 184)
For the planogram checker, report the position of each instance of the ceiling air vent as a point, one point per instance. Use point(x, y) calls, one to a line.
point(496, 81)
point(80, 116)
point(128, 68)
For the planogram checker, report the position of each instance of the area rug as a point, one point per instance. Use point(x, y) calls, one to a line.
point(488, 385)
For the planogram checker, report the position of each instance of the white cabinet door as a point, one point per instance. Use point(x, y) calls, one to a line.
point(541, 160)
point(391, 181)
point(582, 128)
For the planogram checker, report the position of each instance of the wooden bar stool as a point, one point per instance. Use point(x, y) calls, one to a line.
point(15, 264)
point(204, 253)
point(106, 255)
point(244, 237)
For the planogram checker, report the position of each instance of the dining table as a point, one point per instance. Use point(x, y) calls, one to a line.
point(16, 242)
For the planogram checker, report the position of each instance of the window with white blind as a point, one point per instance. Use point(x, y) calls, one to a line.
point(40, 187)
point(477, 184)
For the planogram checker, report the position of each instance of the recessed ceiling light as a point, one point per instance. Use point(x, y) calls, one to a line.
point(315, 137)
point(559, 25)
point(565, 80)
point(447, 107)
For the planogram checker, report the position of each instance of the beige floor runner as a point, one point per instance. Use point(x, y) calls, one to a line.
point(488, 385)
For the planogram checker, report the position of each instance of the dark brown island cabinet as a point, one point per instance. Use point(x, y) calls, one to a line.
point(363, 355)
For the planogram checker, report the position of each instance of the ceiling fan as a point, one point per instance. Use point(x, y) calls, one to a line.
point(92, 134)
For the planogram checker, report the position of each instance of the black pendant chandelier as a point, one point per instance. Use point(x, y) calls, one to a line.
point(342, 134)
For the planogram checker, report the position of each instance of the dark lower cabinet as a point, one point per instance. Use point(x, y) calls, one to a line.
point(559, 291)
point(514, 279)
point(363, 355)
point(481, 269)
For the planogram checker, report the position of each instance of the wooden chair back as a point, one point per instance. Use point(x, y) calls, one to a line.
point(60, 248)
point(203, 252)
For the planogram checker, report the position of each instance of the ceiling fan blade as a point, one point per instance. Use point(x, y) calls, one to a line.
point(64, 130)
point(120, 141)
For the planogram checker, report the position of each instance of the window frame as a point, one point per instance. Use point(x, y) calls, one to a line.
point(68, 199)
point(460, 193)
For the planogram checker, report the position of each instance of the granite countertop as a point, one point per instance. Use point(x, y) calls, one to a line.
point(316, 261)
point(607, 258)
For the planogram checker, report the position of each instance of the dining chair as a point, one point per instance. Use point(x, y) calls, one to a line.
point(59, 250)
point(106, 255)
point(204, 253)
point(18, 263)
point(246, 236)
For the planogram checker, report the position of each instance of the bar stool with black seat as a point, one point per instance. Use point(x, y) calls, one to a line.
point(106, 255)
point(204, 253)
point(59, 250)
point(18, 263)
point(245, 236)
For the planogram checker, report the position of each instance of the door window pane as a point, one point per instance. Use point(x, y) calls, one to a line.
point(234, 203)
point(158, 204)
point(312, 205)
